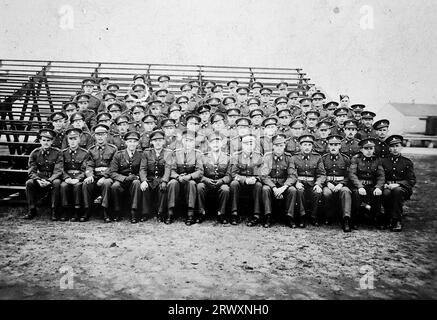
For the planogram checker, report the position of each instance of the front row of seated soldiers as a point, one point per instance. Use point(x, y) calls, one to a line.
point(303, 181)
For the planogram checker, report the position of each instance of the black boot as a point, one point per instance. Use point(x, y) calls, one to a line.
point(201, 217)
point(190, 217)
point(397, 226)
point(234, 218)
point(253, 222)
point(76, 215)
point(106, 217)
point(30, 214)
point(290, 222)
point(54, 215)
point(268, 221)
point(346, 225)
point(169, 216)
point(65, 214)
point(133, 215)
point(85, 215)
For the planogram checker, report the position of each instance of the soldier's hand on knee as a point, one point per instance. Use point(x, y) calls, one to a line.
point(362, 191)
point(299, 185)
point(74, 181)
point(331, 186)
point(377, 192)
point(317, 189)
point(163, 186)
point(338, 187)
point(89, 180)
point(393, 186)
point(144, 185)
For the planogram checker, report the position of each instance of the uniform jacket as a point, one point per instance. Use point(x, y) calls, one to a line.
point(336, 166)
point(74, 163)
point(219, 169)
point(366, 168)
point(46, 164)
point(122, 165)
point(245, 165)
point(400, 170)
point(310, 165)
point(278, 170)
point(155, 168)
point(99, 157)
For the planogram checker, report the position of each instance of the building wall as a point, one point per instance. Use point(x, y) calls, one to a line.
point(399, 123)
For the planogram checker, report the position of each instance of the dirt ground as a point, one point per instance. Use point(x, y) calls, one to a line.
point(155, 261)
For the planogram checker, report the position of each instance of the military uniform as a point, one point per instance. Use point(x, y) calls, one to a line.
point(185, 163)
point(367, 173)
point(350, 147)
point(398, 170)
point(99, 161)
point(124, 171)
point(155, 169)
point(243, 166)
point(86, 141)
point(321, 146)
point(44, 164)
point(337, 167)
point(381, 149)
point(74, 168)
point(216, 178)
point(310, 172)
point(57, 142)
point(278, 171)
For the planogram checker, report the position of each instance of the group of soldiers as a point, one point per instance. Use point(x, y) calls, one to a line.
point(299, 157)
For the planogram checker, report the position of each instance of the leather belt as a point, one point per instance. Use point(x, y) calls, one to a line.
point(391, 182)
point(334, 178)
point(305, 178)
point(100, 169)
point(73, 171)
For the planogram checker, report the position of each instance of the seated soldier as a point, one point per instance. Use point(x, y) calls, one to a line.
point(230, 103)
point(83, 101)
point(266, 105)
point(330, 108)
point(284, 120)
point(293, 104)
point(97, 172)
point(305, 105)
point(400, 180)
point(381, 129)
point(257, 117)
point(336, 193)
point(349, 145)
point(242, 128)
point(186, 171)
point(318, 99)
point(367, 178)
point(281, 104)
point(130, 100)
point(253, 103)
point(138, 114)
point(124, 171)
point(77, 122)
point(93, 102)
point(149, 124)
point(356, 110)
point(114, 110)
point(245, 175)
point(242, 96)
point(216, 177)
point(168, 126)
point(312, 117)
point(154, 175)
point(216, 105)
point(282, 88)
point(256, 87)
point(45, 172)
point(69, 109)
point(75, 159)
point(270, 129)
point(341, 115)
point(311, 175)
point(278, 176)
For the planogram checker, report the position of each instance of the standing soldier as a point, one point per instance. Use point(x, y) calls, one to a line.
point(208, 85)
point(341, 115)
point(366, 130)
point(233, 114)
point(243, 128)
point(330, 108)
point(242, 96)
point(270, 129)
point(311, 175)
point(216, 177)
point(103, 85)
point(282, 88)
point(256, 87)
point(88, 87)
point(168, 126)
point(293, 104)
point(312, 117)
point(336, 193)
point(149, 124)
point(77, 121)
point(278, 176)
point(97, 173)
point(257, 117)
point(323, 131)
point(114, 110)
point(297, 127)
point(318, 98)
point(164, 82)
point(381, 129)
point(217, 91)
point(45, 172)
point(154, 175)
point(232, 86)
point(129, 101)
point(195, 94)
point(75, 159)
point(116, 139)
point(267, 106)
point(58, 121)
point(186, 171)
point(400, 180)
point(245, 174)
point(284, 117)
point(349, 145)
point(89, 114)
point(124, 171)
point(367, 177)
point(138, 113)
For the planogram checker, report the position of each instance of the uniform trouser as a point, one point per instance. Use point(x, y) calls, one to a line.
point(223, 194)
point(307, 193)
point(256, 189)
point(71, 194)
point(369, 198)
point(149, 200)
point(289, 200)
point(104, 184)
point(342, 197)
point(393, 201)
point(132, 187)
point(189, 189)
point(33, 189)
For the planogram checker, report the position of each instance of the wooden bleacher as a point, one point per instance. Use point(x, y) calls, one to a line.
point(30, 90)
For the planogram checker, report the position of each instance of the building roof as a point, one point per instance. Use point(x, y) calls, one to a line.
point(416, 109)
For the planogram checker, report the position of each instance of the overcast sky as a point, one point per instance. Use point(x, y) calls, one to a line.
point(394, 61)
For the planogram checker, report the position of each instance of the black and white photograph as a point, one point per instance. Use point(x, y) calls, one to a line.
point(197, 151)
